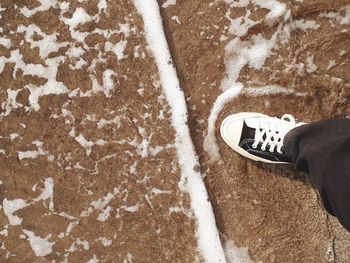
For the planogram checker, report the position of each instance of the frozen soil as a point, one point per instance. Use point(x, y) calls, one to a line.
point(90, 174)
point(89, 169)
point(274, 211)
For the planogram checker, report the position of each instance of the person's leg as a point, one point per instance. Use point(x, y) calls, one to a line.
point(322, 149)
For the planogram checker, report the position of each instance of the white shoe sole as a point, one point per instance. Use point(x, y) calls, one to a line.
point(226, 135)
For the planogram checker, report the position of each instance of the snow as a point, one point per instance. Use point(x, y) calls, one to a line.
point(5, 42)
point(13, 136)
point(93, 260)
point(117, 48)
point(102, 5)
point(240, 26)
point(207, 234)
point(32, 154)
point(311, 67)
point(238, 3)
point(168, 3)
point(106, 242)
point(276, 8)
point(342, 17)
point(44, 5)
point(253, 52)
point(86, 144)
point(79, 17)
point(47, 192)
point(41, 247)
point(46, 45)
point(210, 142)
point(235, 254)
point(108, 84)
point(10, 207)
point(103, 122)
point(239, 53)
point(332, 64)
point(304, 25)
point(176, 19)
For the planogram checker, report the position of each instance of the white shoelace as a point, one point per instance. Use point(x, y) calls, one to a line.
point(274, 134)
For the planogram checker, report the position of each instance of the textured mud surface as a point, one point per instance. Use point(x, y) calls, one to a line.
point(272, 211)
point(89, 170)
point(91, 173)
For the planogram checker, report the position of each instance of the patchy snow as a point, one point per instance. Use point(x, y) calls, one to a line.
point(276, 8)
point(310, 65)
point(102, 5)
point(253, 52)
point(117, 48)
point(240, 26)
point(86, 144)
point(236, 254)
point(41, 247)
point(210, 142)
point(103, 122)
point(176, 19)
point(47, 192)
point(44, 5)
point(79, 17)
point(13, 136)
point(304, 25)
point(108, 84)
point(106, 242)
point(332, 64)
point(5, 42)
point(46, 45)
point(33, 154)
point(10, 207)
point(238, 3)
point(93, 260)
point(168, 3)
point(342, 16)
point(207, 233)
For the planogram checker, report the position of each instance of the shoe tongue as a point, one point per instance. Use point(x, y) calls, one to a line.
point(247, 132)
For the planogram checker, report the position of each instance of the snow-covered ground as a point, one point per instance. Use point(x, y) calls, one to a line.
point(109, 145)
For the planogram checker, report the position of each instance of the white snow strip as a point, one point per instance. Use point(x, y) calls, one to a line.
point(210, 143)
point(41, 247)
point(207, 234)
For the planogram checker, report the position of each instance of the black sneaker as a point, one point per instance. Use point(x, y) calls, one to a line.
point(257, 136)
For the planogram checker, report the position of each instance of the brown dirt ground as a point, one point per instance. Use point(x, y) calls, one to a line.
point(273, 211)
point(128, 166)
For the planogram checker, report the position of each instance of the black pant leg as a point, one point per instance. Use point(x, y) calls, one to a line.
point(322, 149)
